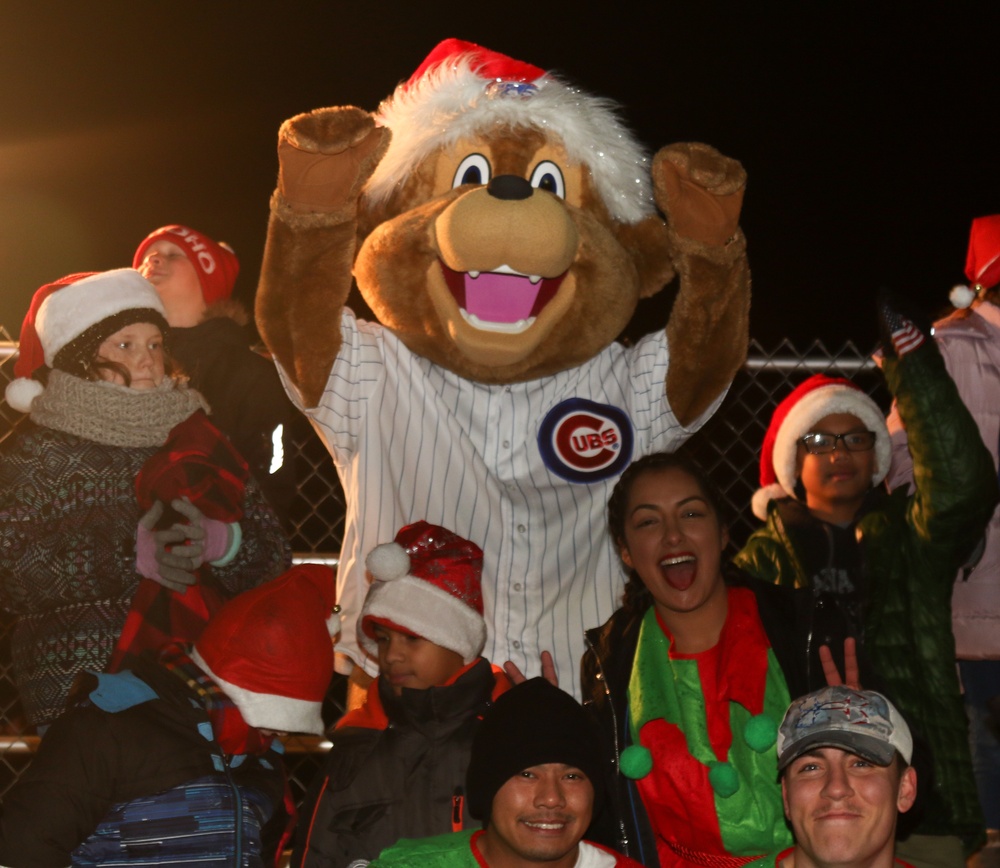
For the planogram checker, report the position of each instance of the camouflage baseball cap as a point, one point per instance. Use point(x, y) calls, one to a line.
point(861, 722)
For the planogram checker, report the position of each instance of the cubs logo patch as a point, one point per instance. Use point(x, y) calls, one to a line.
point(585, 442)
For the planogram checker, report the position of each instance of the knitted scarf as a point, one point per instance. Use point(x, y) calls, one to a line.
point(111, 414)
point(199, 463)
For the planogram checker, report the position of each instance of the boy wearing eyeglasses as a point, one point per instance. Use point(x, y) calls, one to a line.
point(881, 566)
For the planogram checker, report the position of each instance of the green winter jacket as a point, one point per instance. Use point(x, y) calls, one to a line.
point(911, 548)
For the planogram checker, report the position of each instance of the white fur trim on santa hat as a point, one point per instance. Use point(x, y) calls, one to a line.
point(812, 407)
point(20, 393)
point(763, 496)
point(71, 310)
point(427, 611)
point(268, 710)
point(961, 296)
point(452, 101)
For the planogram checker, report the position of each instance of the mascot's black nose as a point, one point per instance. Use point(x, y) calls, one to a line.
point(509, 187)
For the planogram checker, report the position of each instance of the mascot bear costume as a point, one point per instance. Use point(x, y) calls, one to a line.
point(502, 224)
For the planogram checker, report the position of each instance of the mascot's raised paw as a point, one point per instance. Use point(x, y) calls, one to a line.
point(325, 158)
point(700, 191)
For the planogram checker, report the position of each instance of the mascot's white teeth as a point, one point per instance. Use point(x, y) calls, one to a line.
point(510, 328)
point(533, 279)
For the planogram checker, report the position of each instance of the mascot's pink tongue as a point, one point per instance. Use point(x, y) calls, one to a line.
point(680, 576)
point(500, 297)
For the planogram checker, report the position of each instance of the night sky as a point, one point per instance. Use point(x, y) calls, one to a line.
point(869, 138)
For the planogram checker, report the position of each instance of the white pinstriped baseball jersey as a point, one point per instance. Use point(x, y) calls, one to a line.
point(523, 470)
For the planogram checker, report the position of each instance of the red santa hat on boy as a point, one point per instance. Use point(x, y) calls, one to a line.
point(795, 416)
point(428, 583)
point(462, 90)
point(215, 261)
point(270, 649)
point(982, 262)
point(71, 317)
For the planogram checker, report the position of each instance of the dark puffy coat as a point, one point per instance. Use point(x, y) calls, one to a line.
point(911, 548)
point(401, 775)
point(243, 390)
point(124, 787)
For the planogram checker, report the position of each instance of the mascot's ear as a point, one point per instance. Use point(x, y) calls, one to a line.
point(648, 244)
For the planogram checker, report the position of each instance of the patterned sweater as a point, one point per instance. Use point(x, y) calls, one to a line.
point(68, 517)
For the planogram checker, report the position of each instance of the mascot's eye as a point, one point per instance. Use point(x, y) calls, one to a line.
point(548, 176)
point(474, 169)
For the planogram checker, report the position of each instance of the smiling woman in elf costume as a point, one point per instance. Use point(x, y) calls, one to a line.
point(691, 677)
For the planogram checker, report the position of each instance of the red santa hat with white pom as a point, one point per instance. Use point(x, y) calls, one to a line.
point(813, 399)
point(270, 649)
point(462, 90)
point(982, 262)
point(428, 583)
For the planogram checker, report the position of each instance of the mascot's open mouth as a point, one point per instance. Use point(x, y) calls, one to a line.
point(503, 300)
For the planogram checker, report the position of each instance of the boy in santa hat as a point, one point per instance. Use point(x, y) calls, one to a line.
point(175, 761)
point(194, 277)
point(397, 766)
point(881, 566)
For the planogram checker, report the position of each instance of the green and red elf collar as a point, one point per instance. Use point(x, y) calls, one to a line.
point(691, 768)
point(735, 670)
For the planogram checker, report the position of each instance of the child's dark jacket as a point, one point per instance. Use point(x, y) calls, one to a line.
point(143, 785)
point(396, 770)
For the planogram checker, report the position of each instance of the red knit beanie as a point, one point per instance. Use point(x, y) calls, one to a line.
point(270, 649)
point(810, 401)
point(429, 583)
point(215, 262)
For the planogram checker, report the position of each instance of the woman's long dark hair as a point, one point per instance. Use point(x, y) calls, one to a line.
point(636, 598)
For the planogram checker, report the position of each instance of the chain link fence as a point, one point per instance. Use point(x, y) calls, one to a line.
point(727, 448)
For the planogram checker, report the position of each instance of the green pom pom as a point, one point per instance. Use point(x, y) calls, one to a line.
point(760, 732)
point(636, 762)
point(723, 778)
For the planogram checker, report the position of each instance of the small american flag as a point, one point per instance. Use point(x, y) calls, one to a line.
point(906, 337)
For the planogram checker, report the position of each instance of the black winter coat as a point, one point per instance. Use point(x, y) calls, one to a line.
point(91, 760)
point(404, 781)
point(244, 392)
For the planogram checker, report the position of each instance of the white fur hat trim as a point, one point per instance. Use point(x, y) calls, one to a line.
point(452, 101)
point(71, 310)
point(763, 496)
point(427, 611)
point(812, 407)
point(268, 710)
point(20, 393)
point(961, 296)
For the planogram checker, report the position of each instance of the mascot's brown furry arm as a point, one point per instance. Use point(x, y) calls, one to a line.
point(502, 225)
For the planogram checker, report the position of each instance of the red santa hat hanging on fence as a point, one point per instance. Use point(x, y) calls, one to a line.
point(270, 649)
